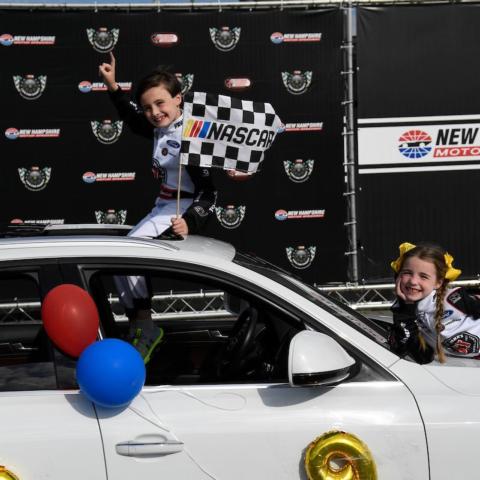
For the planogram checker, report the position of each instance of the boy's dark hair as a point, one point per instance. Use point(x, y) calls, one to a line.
point(160, 76)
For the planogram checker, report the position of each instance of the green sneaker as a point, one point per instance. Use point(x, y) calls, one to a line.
point(146, 343)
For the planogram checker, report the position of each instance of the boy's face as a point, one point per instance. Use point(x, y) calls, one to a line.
point(159, 107)
point(418, 278)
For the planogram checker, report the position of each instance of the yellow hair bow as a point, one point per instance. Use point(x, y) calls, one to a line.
point(451, 275)
point(404, 248)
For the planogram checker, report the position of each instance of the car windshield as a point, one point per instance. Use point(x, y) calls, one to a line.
point(365, 325)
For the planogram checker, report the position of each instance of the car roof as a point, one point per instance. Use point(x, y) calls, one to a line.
point(65, 242)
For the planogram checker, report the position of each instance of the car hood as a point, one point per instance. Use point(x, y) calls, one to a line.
point(459, 374)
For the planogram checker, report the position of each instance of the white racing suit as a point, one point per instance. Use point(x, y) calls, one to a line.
point(197, 193)
point(461, 325)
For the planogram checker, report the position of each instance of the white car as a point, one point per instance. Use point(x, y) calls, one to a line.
point(275, 381)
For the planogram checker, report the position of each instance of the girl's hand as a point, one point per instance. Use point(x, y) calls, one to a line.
point(107, 72)
point(179, 226)
point(398, 290)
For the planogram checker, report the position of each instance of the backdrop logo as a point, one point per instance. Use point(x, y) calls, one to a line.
point(415, 144)
point(29, 86)
point(238, 84)
point(303, 127)
point(102, 39)
point(38, 221)
point(297, 82)
point(111, 216)
point(225, 38)
point(35, 179)
point(86, 87)
point(7, 40)
point(91, 177)
point(230, 217)
point(13, 133)
point(186, 81)
point(277, 37)
point(299, 170)
point(301, 257)
point(107, 132)
point(164, 39)
point(298, 214)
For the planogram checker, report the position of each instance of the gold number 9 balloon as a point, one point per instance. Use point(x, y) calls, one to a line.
point(339, 455)
point(6, 474)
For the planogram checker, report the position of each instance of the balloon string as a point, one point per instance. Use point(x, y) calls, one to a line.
point(208, 404)
point(159, 424)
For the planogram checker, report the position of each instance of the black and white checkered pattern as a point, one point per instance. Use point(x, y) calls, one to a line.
point(224, 153)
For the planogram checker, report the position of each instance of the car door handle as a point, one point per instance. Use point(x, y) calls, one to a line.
point(140, 449)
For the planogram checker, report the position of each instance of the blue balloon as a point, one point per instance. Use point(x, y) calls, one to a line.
point(110, 373)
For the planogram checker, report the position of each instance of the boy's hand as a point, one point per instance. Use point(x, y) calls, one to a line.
point(107, 72)
point(179, 226)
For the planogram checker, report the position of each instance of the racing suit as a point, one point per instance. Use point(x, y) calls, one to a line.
point(460, 335)
point(197, 193)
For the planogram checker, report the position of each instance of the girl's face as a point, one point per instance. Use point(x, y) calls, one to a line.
point(159, 107)
point(417, 279)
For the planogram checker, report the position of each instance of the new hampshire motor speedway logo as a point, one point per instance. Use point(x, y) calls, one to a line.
point(111, 217)
point(277, 37)
point(297, 82)
point(29, 86)
point(301, 257)
point(106, 131)
point(92, 177)
point(35, 178)
point(457, 142)
point(230, 217)
point(103, 40)
point(38, 221)
point(86, 87)
point(7, 40)
point(225, 38)
point(13, 133)
point(415, 144)
point(282, 215)
point(299, 170)
point(186, 81)
point(303, 127)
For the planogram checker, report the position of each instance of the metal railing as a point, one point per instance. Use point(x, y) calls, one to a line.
point(211, 304)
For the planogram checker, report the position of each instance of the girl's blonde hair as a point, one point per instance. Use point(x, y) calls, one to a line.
point(436, 255)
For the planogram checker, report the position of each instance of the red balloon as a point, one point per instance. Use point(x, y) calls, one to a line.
point(70, 318)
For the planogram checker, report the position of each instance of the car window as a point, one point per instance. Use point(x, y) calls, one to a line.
point(204, 323)
point(26, 356)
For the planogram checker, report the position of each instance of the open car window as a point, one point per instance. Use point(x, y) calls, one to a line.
point(204, 322)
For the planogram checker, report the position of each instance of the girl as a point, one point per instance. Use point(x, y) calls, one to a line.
point(428, 316)
point(157, 115)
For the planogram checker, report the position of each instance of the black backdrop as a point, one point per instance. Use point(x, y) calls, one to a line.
point(417, 62)
point(54, 169)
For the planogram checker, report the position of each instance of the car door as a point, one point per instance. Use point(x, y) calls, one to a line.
point(46, 432)
point(261, 429)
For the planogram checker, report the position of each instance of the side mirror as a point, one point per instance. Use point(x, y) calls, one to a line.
point(316, 359)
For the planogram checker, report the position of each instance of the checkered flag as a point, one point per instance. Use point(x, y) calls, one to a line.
point(225, 132)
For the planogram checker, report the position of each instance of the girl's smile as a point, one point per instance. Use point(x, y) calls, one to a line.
point(417, 279)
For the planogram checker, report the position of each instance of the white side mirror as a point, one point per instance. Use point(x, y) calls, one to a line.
point(316, 359)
